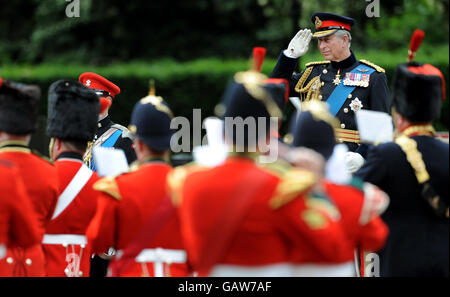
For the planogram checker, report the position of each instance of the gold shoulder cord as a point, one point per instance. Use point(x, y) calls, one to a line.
point(414, 157)
point(312, 89)
point(302, 79)
point(88, 155)
point(409, 146)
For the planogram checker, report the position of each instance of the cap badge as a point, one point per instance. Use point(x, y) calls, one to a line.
point(88, 83)
point(318, 22)
point(356, 104)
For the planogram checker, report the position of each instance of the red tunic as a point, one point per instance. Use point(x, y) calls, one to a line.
point(39, 178)
point(359, 216)
point(277, 222)
point(63, 258)
point(360, 212)
point(125, 204)
point(18, 225)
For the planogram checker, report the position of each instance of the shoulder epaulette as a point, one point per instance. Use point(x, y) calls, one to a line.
point(293, 183)
point(278, 168)
point(322, 204)
point(176, 179)
point(377, 68)
point(109, 186)
point(317, 63)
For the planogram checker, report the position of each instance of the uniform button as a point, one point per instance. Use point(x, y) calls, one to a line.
point(64, 244)
point(99, 125)
point(325, 71)
point(80, 273)
point(322, 83)
point(346, 110)
point(340, 139)
point(349, 96)
point(28, 262)
point(342, 126)
point(320, 97)
point(9, 260)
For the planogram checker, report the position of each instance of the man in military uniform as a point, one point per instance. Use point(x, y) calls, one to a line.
point(126, 202)
point(19, 105)
point(360, 203)
point(18, 227)
point(345, 83)
point(241, 218)
point(108, 134)
point(414, 171)
point(71, 123)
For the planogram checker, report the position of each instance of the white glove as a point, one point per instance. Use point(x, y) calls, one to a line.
point(299, 44)
point(354, 161)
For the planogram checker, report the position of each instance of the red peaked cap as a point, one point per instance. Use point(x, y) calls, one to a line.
point(97, 82)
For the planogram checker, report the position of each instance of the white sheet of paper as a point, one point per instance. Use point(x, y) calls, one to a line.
point(109, 161)
point(374, 126)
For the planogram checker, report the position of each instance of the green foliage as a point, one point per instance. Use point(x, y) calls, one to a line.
point(34, 31)
point(391, 31)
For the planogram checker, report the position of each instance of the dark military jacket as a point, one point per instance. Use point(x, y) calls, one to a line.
point(418, 242)
point(124, 142)
point(375, 96)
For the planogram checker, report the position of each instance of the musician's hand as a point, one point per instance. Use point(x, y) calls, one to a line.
point(354, 161)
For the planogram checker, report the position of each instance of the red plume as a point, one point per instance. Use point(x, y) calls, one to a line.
point(1, 82)
point(258, 57)
point(416, 41)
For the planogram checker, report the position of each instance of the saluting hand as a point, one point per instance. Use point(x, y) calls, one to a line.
point(299, 44)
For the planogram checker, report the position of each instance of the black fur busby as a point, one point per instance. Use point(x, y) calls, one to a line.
point(72, 111)
point(248, 107)
point(19, 105)
point(279, 90)
point(313, 128)
point(417, 92)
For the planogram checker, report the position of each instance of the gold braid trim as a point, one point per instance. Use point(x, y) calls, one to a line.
point(293, 183)
point(302, 79)
point(317, 63)
point(109, 186)
point(377, 68)
point(409, 146)
point(425, 129)
point(87, 158)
